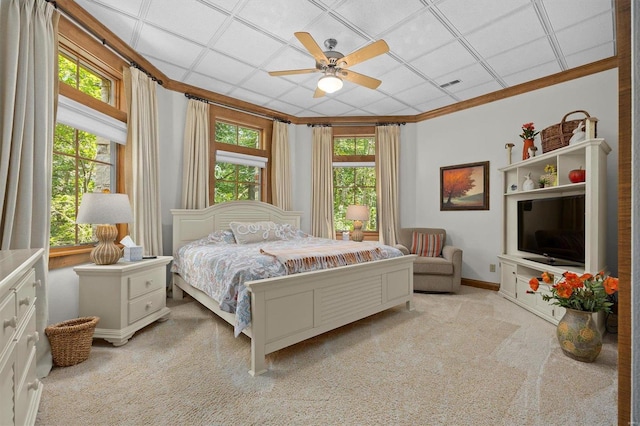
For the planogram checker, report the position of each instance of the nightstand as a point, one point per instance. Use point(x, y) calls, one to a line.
point(127, 296)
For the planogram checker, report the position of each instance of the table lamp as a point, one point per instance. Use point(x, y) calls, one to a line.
point(357, 214)
point(104, 209)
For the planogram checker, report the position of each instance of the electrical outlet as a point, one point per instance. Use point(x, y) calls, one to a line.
point(492, 267)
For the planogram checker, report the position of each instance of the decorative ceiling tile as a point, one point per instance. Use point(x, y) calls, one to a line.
point(419, 94)
point(181, 19)
point(243, 42)
point(517, 29)
point(587, 56)
point(161, 44)
point(479, 90)
point(532, 73)
point(469, 77)
point(223, 67)
point(386, 106)
point(568, 12)
point(119, 23)
point(593, 32)
point(170, 70)
point(398, 80)
point(522, 57)
point(331, 107)
point(467, 16)
point(418, 36)
point(444, 60)
point(280, 17)
point(130, 7)
point(228, 5)
point(375, 17)
point(208, 83)
point(262, 82)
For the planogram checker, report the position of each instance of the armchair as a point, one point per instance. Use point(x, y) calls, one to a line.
point(439, 274)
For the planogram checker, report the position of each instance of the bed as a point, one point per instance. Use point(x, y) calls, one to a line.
point(289, 309)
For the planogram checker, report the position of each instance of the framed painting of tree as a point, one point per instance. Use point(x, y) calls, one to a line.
point(465, 187)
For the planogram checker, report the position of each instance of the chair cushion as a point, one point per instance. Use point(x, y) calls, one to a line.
point(429, 245)
point(432, 266)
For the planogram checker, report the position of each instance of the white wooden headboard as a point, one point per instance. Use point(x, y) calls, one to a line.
point(190, 225)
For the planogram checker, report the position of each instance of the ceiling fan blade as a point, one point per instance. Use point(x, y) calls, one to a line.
point(363, 80)
point(290, 72)
point(318, 93)
point(310, 44)
point(370, 51)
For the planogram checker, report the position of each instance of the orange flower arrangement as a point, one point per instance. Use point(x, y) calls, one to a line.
point(528, 131)
point(586, 292)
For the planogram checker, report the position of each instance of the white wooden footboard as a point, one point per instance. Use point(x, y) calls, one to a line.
point(290, 309)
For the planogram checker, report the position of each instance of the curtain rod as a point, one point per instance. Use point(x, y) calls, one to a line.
point(104, 42)
point(210, 102)
point(354, 124)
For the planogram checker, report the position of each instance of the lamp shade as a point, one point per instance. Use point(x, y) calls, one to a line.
point(357, 213)
point(329, 83)
point(104, 208)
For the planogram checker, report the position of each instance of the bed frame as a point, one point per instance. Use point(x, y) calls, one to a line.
point(287, 310)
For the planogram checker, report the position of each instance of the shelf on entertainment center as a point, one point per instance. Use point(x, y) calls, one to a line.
point(551, 189)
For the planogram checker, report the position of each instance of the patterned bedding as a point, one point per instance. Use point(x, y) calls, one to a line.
point(220, 267)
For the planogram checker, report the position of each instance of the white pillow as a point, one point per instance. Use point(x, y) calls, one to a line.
point(254, 232)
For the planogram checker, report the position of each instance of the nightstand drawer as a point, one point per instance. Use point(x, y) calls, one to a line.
point(147, 281)
point(26, 294)
point(146, 305)
point(8, 319)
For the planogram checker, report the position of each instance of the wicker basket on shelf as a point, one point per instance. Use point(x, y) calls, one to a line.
point(71, 340)
point(558, 135)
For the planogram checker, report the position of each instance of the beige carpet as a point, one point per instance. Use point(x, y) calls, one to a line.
point(468, 359)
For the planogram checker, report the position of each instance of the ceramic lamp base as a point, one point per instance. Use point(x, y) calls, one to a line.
point(106, 252)
point(357, 234)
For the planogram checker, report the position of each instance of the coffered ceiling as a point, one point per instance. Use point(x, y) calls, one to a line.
point(229, 46)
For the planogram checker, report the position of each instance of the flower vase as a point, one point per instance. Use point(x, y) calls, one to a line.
point(528, 143)
point(578, 335)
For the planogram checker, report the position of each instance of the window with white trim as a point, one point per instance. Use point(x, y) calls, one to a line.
point(354, 178)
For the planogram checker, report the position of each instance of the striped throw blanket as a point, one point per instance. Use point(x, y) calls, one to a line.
point(307, 259)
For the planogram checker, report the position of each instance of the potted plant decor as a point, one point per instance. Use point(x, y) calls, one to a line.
point(581, 296)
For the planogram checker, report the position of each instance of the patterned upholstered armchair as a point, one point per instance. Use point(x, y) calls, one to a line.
point(438, 266)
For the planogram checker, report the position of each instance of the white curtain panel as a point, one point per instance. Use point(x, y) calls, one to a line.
point(29, 52)
point(322, 184)
point(195, 160)
point(387, 161)
point(142, 161)
point(281, 167)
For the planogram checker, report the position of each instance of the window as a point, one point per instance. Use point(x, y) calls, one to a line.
point(82, 161)
point(241, 166)
point(354, 176)
point(86, 150)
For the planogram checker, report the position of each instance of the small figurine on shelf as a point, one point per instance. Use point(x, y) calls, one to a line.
point(578, 134)
point(509, 146)
point(528, 184)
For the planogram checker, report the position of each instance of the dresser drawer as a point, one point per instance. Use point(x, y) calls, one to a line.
point(26, 343)
point(7, 387)
point(27, 390)
point(147, 281)
point(8, 319)
point(146, 305)
point(26, 294)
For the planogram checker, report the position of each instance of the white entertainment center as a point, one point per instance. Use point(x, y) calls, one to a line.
point(516, 267)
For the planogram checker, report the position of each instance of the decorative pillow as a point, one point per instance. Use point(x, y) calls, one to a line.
point(254, 232)
point(224, 236)
point(427, 245)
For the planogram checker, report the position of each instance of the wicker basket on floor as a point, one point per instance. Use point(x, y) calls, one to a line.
point(558, 135)
point(71, 340)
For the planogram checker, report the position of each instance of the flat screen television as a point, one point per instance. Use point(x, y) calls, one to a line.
point(553, 228)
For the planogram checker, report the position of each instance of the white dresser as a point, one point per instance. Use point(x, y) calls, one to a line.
point(126, 296)
point(20, 389)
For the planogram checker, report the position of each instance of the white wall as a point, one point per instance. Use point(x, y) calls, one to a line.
point(479, 134)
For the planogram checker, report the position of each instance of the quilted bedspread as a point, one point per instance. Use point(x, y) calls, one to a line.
point(220, 267)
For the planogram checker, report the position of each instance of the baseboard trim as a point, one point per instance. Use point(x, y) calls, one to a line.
point(480, 284)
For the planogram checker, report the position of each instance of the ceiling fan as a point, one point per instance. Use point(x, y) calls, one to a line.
point(334, 65)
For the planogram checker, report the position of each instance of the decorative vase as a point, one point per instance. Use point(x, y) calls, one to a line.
point(578, 335)
point(528, 143)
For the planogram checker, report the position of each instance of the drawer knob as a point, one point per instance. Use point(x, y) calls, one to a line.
point(34, 385)
point(33, 337)
point(37, 283)
point(149, 282)
point(11, 322)
point(149, 305)
point(24, 301)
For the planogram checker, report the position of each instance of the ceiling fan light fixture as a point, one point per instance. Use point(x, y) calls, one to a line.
point(330, 83)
